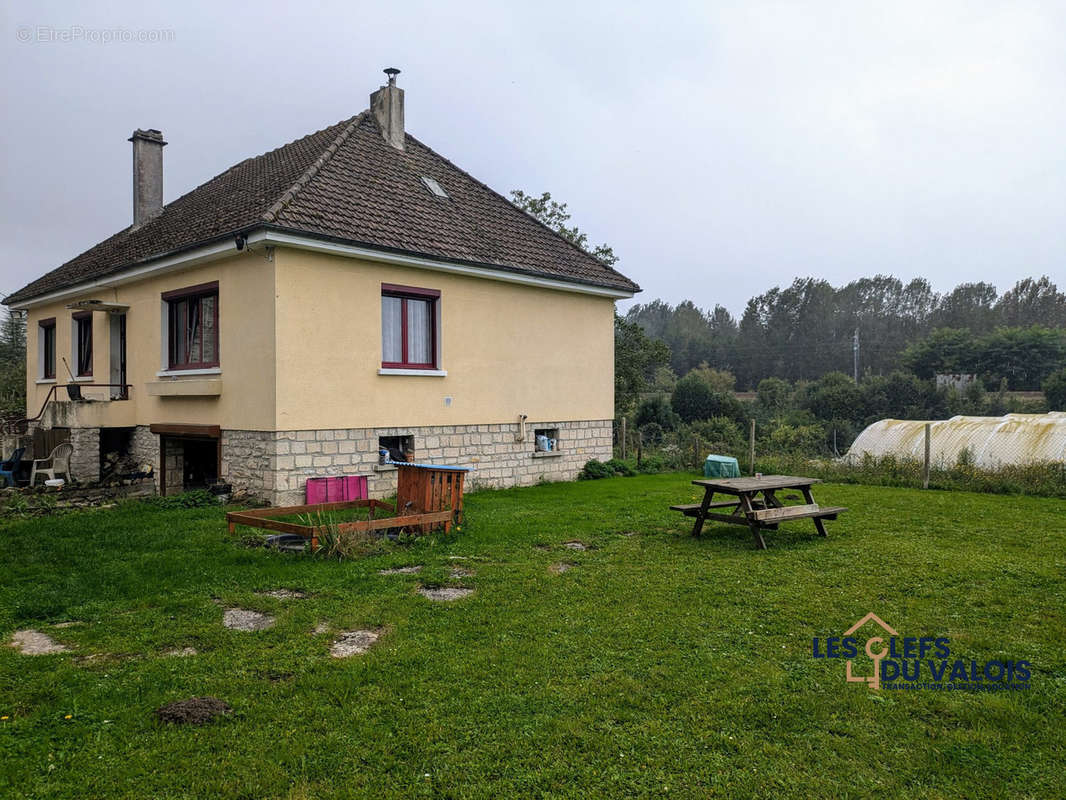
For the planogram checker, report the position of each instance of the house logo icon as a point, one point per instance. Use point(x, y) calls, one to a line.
point(875, 648)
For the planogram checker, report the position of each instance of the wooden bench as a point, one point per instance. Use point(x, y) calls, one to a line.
point(693, 509)
point(809, 511)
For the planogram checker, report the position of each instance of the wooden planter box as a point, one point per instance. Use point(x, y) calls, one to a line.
point(262, 518)
point(427, 498)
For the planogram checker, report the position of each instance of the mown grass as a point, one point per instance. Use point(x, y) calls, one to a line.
point(659, 665)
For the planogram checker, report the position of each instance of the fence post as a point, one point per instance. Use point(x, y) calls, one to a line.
point(623, 438)
point(751, 449)
point(925, 466)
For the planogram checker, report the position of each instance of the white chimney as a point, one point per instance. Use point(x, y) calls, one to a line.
point(147, 174)
point(387, 105)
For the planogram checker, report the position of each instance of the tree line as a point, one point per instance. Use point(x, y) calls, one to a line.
point(807, 329)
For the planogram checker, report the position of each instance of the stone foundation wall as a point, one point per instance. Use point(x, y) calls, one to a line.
point(85, 460)
point(248, 462)
point(275, 466)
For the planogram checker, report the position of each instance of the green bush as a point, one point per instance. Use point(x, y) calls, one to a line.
point(594, 470)
point(656, 410)
point(1055, 390)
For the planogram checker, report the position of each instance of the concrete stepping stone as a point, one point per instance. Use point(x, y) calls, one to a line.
point(284, 594)
point(353, 643)
point(182, 652)
point(401, 570)
point(243, 619)
point(575, 545)
point(444, 594)
point(461, 572)
point(34, 643)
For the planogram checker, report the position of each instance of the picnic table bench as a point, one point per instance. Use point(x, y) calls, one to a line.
point(755, 512)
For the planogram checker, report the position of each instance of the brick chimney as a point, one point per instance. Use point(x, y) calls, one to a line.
point(387, 105)
point(147, 174)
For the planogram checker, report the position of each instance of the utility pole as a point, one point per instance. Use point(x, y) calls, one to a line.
point(855, 355)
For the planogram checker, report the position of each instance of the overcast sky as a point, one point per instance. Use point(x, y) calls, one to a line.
point(720, 148)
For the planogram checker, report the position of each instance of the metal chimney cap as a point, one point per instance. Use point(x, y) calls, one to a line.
point(392, 72)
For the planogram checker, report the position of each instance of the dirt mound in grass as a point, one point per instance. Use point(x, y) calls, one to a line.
point(194, 711)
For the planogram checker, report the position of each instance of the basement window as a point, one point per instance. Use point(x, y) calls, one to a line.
point(546, 441)
point(396, 448)
point(434, 187)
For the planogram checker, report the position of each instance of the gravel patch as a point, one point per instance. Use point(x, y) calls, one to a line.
point(353, 643)
point(284, 594)
point(401, 570)
point(243, 619)
point(575, 545)
point(560, 567)
point(444, 594)
point(320, 628)
point(35, 643)
point(194, 711)
point(461, 572)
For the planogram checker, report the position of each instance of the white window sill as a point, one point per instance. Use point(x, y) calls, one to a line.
point(384, 468)
point(84, 379)
point(177, 373)
point(424, 373)
point(44, 381)
point(547, 453)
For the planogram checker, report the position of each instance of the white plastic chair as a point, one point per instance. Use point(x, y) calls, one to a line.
point(58, 461)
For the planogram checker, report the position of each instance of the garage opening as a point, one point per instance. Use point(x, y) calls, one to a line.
point(190, 455)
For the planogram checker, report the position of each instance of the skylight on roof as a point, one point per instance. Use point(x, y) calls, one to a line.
point(434, 187)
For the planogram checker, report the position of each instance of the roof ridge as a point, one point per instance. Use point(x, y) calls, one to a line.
point(271, 214)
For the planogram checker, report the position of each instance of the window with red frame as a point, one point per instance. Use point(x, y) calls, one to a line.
point(83, 343)
point(192, 327)
point(48, 348)
point(408, 327)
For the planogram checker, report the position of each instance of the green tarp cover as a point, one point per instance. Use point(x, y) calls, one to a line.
point(721, 467)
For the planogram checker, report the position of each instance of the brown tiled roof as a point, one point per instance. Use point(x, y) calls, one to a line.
point(346, 183)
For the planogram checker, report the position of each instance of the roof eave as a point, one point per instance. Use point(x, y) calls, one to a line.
point(225, 244)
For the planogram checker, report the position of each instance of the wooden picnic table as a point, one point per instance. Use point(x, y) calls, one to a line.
point(755, 512)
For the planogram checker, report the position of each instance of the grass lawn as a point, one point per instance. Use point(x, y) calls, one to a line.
point(657, 665)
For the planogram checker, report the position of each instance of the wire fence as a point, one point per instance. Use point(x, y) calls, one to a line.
point(1012, 454)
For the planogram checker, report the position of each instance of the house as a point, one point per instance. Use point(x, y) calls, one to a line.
point(349, 291)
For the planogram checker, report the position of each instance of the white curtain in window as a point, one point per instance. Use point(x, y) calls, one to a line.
point(391, 331)
point(419, 337)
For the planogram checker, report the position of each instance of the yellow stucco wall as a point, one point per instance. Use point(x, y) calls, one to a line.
point(246, 350)
point(507, 349)
point(300, 348)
